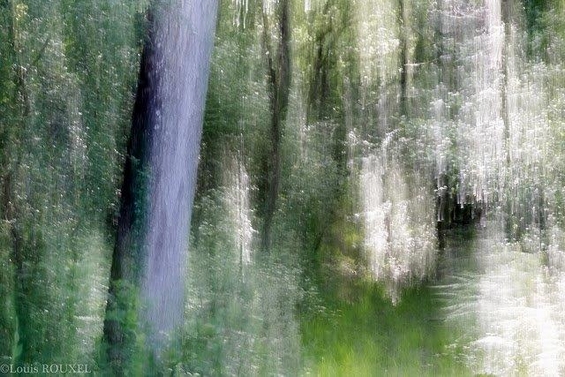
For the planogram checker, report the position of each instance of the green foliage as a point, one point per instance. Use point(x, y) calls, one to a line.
point(129, 356)
point(67, 78)
point(237, 109)
point(240, 317)
point(67, 70)
point(102, 44)
point(8, 323)
point(537, 41)
point(363, 334)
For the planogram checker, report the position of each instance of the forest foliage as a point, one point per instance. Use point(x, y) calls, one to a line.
point(300, 92)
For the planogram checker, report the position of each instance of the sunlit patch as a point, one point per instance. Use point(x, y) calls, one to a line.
point(237, 204)
point(510, 309)
point(398, 222)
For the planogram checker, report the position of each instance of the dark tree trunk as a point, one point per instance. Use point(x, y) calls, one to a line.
point(279, 89)
point(510, 224)
point(403, 58)
point(124, 275)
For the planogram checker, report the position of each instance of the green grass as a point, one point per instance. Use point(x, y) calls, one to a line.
point(368, 336)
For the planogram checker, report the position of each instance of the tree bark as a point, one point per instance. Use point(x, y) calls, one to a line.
point(403, 58)
point(279, 90)
point(147, 275)
point(126, 258)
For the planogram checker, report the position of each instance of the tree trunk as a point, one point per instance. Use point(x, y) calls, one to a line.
point(403, 57)
point(279, 90)
point(147, 276)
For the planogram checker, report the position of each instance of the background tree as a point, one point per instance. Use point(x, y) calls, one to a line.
point(279, 79)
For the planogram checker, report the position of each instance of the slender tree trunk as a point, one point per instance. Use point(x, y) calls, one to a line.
point(279, 90)
point(507, 11)
point(403, 57)
point(124, 276)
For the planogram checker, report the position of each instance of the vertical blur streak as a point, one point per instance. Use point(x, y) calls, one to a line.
point(184, 41)
point(159, 179)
